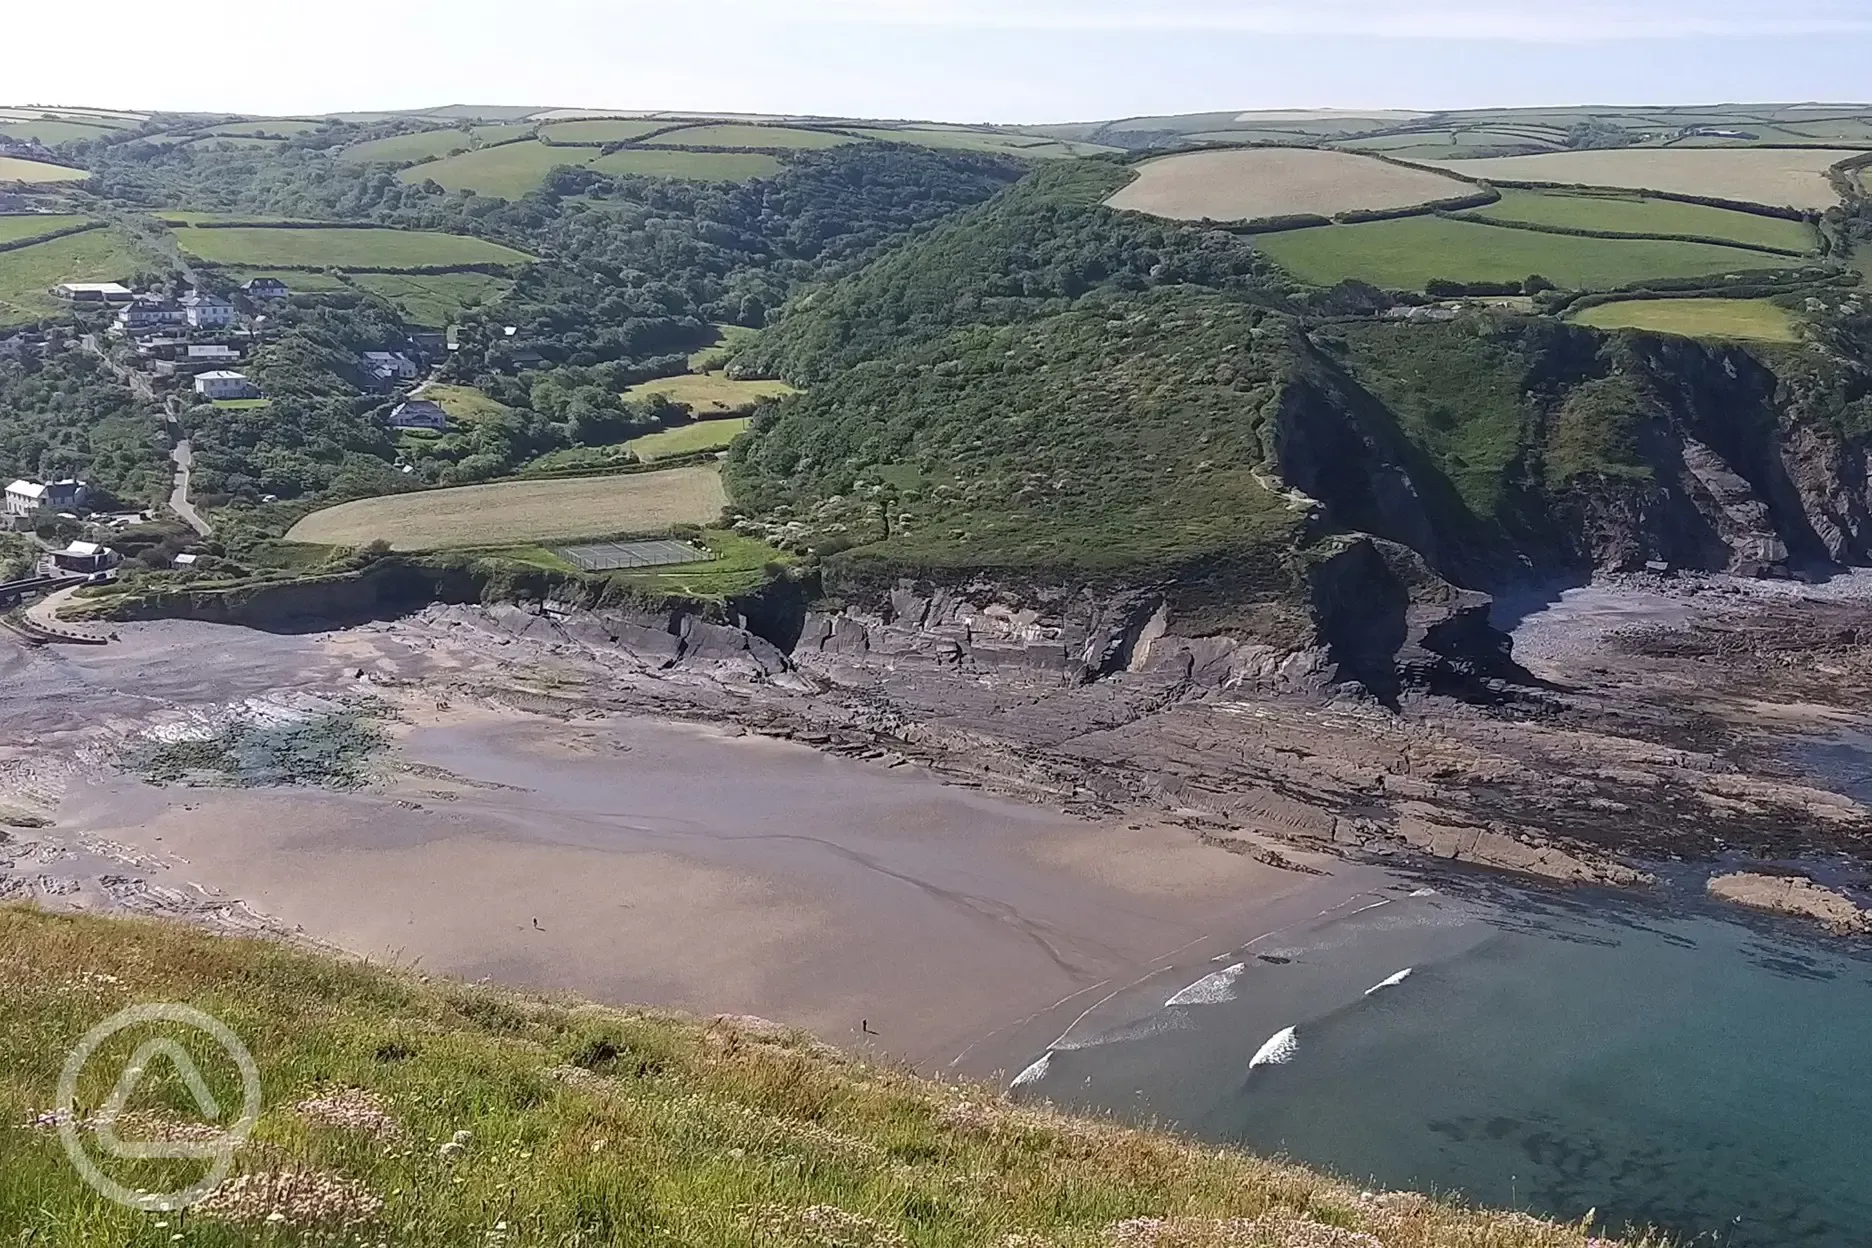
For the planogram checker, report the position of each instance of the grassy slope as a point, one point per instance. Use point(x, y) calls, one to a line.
point(1631, 214)
point(342, 248)
point(13, 169)
point(29, 272)
point(713, 394)
point(508, 171)
point(402, 148)
point(694, 166)
point(595, 1126)
point(1754, 320)
point(599, 131)
point(433, 299)
point(14, 229)
point(704, 435)
point(1407, 254)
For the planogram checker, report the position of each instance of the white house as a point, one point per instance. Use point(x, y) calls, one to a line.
point(152, 312)
point(390, 366)
point(207, 311)
point(266, 288)
point(419, 414)
point(225, 385)
point(24, 497)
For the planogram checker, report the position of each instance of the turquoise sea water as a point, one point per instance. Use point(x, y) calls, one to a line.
point(1660, 1059)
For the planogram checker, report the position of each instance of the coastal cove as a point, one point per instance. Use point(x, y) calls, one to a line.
point(1646, 1060)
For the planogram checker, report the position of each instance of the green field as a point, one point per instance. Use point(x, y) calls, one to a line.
point(29, 273)
point(713, 394)
point(703, 435)
point(219, 143)
point(982, 141)
point(52, 133)
point(13, 169)
point(1407, 254)
point(36, 225)
point(285, 127)
point(1752, 320)
point(466, 404)
point(1634, 214)
point(691, 166)
point(728, 340)
point(298, 283)
point(401, 149)
point(752, 136)
point(342, 248)
point(432, 299)
point(599, 131)
point(509, 172)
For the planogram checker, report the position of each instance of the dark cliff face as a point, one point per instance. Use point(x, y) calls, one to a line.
point(1503, 452)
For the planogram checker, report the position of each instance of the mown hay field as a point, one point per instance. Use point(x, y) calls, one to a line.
point(751, 136)
point(1409, 253)
point(1626, 213)
point(15, 228)
point(14, 169)
point(515, 512)
point(1250, 183)
point(600, 131)
point(1748, 320)
point(692, 166)
point(1029, 146)
point(1780, 177)
point(433, 299)
point(28, 273)
point(712, 394)
point(343, 248)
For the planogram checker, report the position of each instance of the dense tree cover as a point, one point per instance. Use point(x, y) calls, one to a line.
point(1029, 252)
point(67, 416)
point(1124, 431)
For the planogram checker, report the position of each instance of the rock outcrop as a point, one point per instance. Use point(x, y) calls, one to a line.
point(1796, 896)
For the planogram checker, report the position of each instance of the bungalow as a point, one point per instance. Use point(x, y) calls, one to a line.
point(390, 366)
point(94, 292)
point(225, 385)
point(419, 414)
point(85, 557)
point(206, 311)
point(266, 288)
point(24, 497)
point(211, 353)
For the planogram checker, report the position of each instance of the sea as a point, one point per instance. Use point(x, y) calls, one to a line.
point(1651, 1061)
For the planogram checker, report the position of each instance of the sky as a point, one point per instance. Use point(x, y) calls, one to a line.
point(1015, 61)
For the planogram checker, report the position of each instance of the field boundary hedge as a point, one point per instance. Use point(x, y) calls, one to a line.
point(20, 244)
point(1573, 231)
point(1782, 212)
point(486, 268)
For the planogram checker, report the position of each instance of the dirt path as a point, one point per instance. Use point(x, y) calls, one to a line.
point(183, 456)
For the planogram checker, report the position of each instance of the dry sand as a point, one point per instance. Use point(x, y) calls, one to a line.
point(636, 860)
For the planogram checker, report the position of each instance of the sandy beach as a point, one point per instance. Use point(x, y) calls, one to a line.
point(638, 859)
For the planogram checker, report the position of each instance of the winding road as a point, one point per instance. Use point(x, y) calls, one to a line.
point(183, 456)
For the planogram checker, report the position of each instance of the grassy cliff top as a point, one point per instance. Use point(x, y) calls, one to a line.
point(432, 1113)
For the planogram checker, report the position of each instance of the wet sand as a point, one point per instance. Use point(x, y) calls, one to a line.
point(645, 860)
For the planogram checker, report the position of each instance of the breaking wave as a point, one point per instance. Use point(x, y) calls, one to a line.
point(1210, 989)
point(1393, 982)
point(1034, 1073)
point(1280, 1049)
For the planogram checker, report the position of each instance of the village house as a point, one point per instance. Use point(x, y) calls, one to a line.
point(206, 311)
point(225, 385)
point(390, 366)
point(24, 497)
point(85, 557)
point(149, 313)
point(266, 288)
point(419, 414)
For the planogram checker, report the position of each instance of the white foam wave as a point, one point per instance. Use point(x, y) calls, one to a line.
point(1424, 892)
point(1280, 1049)
point(1393, 982)
point(1210, 989)
point(1034, 1073)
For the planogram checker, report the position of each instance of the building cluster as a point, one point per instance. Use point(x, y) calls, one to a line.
point(24, 499)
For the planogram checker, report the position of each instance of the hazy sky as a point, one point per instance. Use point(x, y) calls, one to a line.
point(964, 60)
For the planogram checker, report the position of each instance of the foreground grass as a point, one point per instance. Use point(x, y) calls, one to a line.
point(1750, 320)
point(427, 1113)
